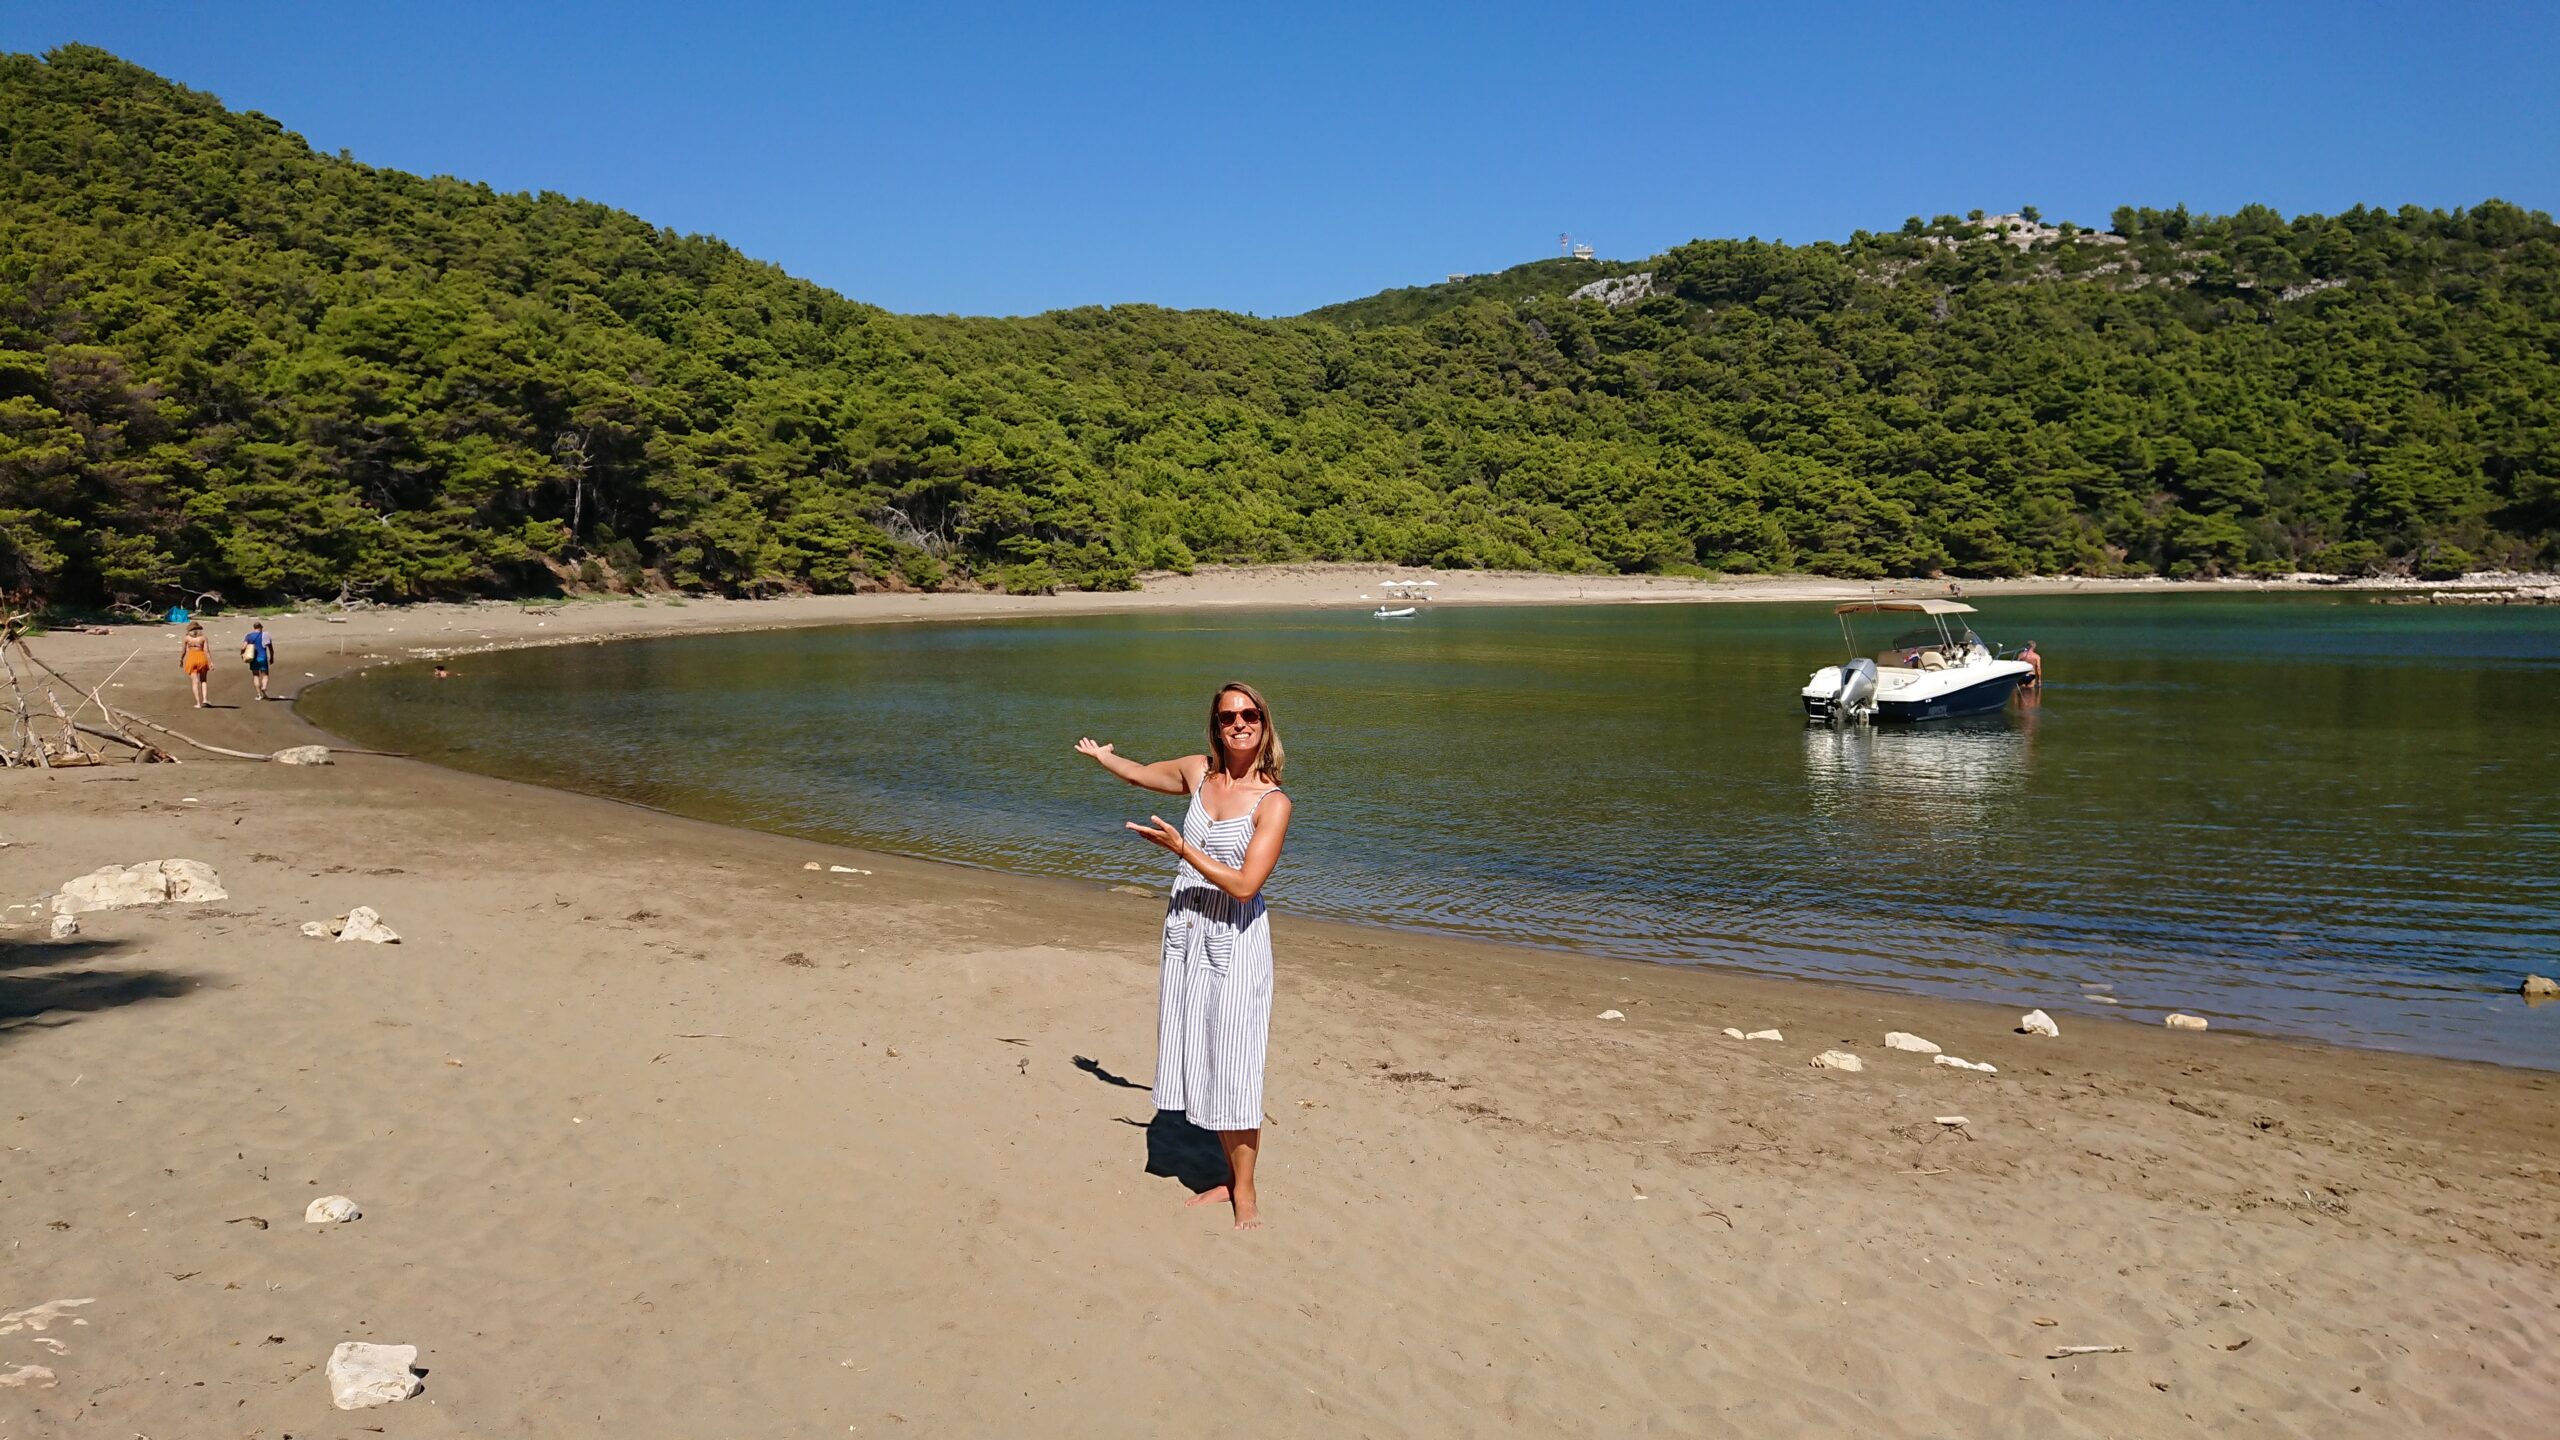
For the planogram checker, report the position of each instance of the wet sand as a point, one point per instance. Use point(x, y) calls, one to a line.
point(658, 1133)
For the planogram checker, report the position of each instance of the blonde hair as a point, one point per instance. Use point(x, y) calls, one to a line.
point(1268, 760)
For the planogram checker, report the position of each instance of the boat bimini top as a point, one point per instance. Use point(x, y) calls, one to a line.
point(1904, 607)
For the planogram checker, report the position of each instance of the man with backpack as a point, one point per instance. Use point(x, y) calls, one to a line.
point(259, 650)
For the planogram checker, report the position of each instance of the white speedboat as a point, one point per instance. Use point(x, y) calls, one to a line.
point(1403, 612)
point(1930, 671)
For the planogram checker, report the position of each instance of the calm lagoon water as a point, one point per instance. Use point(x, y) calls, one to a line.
point(2323, 816)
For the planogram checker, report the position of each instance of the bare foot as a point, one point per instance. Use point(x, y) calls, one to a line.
point(1248, 1212)
point(1215, 1196)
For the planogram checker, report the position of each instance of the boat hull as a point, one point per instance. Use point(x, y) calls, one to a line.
point(1980, 698)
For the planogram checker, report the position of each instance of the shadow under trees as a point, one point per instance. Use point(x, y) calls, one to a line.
point(47, 984)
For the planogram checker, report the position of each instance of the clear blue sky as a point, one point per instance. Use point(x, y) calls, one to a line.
point(999, 159)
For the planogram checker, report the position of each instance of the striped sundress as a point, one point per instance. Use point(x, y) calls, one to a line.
point(1213, 1011)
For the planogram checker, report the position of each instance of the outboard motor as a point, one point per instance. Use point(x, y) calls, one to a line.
point(1857, 688)
point(1841, 692)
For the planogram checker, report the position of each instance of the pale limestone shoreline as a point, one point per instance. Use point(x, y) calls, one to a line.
point(432, 629)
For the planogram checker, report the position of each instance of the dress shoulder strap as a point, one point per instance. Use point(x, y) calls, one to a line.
point(1258, 799)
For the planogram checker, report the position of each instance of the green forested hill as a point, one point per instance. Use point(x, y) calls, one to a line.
point(229, 363)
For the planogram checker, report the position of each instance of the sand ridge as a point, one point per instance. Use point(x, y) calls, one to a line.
point(635, 1156)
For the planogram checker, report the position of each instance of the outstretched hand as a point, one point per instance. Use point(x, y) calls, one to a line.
point(1159, 833)
point(1089, 746)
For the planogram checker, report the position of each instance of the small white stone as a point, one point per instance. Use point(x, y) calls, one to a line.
point(813, 865)
point(1905, 1040)
point(1764, 1035)
point(2036, 1022)
point(1954, 1063)
point(65, 927)
point(363, 924)
point(331, 1210)
point(362, 1376)
point(317, 929)
point(1733, 1034)
point(303, 755)
point(1838, 1060)
point(2187, 1022)
point(1956, 1121)
point(2539, 987)
point(1613, 1015)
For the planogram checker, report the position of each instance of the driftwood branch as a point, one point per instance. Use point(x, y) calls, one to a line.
point(123, 714)
point(117, 717)
point(22, 731)
point(97, 692)
point(148, 750)
point(185, 739)
point(62, 717)
point(96, 696)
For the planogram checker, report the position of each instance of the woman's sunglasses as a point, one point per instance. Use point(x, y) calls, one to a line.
point(1246, 716)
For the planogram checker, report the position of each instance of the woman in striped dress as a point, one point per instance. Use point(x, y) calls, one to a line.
point(1214, 1001)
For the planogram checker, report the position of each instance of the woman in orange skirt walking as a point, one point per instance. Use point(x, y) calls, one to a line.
point(195, 657)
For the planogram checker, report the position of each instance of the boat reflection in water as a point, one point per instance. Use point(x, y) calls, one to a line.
point(1876, 785)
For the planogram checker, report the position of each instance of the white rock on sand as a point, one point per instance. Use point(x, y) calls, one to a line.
point(362, 1376)
point(1905, 1040)
point(1838, 1060)
point(1764, 1035)
point(317, 929)
point(2036, 1022)
point(363, 924)
point(150, 882)
point(1733, 1034)
point(303, 755)
point(1954, 1063)
point(2187, 1022)
point(1613, 1015)
point(331, 1210)
point(65, 927)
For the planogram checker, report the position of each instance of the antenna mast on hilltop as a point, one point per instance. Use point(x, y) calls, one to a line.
point(1564, 245)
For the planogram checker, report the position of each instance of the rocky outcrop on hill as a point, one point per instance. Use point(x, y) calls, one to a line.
point(1617, 291)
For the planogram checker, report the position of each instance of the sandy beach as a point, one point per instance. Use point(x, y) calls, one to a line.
point(658, 1132)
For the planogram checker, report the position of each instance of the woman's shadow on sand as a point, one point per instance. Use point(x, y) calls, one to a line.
point(1176, 1148)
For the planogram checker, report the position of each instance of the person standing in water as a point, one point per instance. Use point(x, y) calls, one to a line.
point(1213, 1007)
point(260, 651)
point(196, 658)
